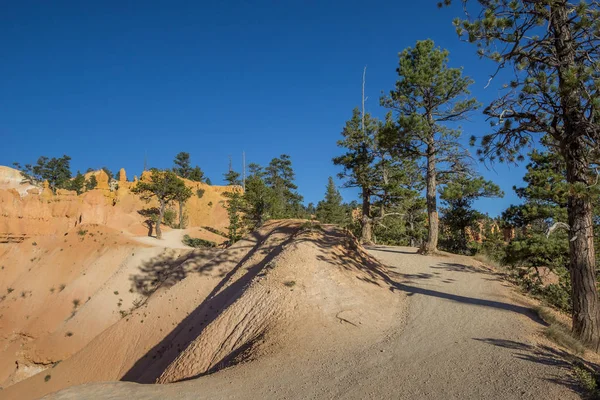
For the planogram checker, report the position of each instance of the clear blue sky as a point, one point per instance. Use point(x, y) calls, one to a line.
point(105, 82)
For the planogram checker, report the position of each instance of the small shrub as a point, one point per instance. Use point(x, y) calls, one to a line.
point(10, 290)
point(82, 232)
point(169, 218)
point(200, 193)
point(47, 378)
point(76, 303)
point(210, 203)
point(34, 243)
point(197, 242)
point(23, 293)
point(215, 231)
point(587, 380)
point(123, 313)
point(69, 334)
point(290, 283)
point(116, 292)
point(62, 287)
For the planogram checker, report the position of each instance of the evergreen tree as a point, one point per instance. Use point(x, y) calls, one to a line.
point(235, 206)
point(197, 175)
point(166, 187)
point(77, 183)
point(91, 183)
point(552, 46)
point(359, 141)
point(182, 166)
point(428, 98)
point(279, 176)
point(258, 201)
point(57, 171)
point(183, 195)
point(459, 215)
point(330, 210)
point(232, 178)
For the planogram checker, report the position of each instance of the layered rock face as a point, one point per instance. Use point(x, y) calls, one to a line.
point(27, 210)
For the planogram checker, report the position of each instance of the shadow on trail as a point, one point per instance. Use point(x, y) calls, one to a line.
point(548, 356)
point(386, 249)
point(375, 272)
point(149, 367)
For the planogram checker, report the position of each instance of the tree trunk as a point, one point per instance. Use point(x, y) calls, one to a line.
point(367, 222)
point(582, 263)
point(181, 215)
point(432, 235)
point(160, 218)
point(412, 231)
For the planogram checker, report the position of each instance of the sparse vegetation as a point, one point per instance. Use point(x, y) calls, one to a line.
point(215, 231)
point(61, 287)
point(290, 283)
point(197, 242)
point(47, 378)
point(76, 303)
point(558, 332)
point(69, 334)
point(10, 290)
point(587, 380)
point(82, 232)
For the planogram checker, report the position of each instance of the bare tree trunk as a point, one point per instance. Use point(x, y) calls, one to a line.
point(367, 222)
point(582, 263)
point(181, 215)
point(160, 218)
point(432, 236)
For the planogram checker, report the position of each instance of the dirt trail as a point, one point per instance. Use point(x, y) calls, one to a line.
point(461, 334)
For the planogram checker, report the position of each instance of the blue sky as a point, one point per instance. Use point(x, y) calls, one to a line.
point(108, 82)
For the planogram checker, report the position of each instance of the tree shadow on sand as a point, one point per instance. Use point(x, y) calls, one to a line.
point(150, 367)
point(373, 271)
point(546, 355)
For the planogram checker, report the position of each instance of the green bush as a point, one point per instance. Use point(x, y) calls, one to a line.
point(215, 231)
point(170, 218)
point(200, 193)
point(197, 242)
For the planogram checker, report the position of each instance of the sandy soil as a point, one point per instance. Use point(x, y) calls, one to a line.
point(444, 328)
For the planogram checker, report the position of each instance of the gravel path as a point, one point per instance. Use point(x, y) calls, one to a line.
point(462, 335)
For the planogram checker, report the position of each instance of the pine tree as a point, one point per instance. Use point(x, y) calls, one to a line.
point(182, 166)
point(197, 175)
point(57, 171)
point(232, 178)
point(459, 215)
point(258, 198)
point(553, 48)
point(330, 210)
point(183, 195)
point(359, 141)
point(166, 187)
point(91, 183)
point(428, 98)
point(77, 183)
point(279, 176)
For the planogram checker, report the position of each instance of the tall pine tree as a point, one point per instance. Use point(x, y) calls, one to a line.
point(429, 98)
point(553, 48)
point(330, 210)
